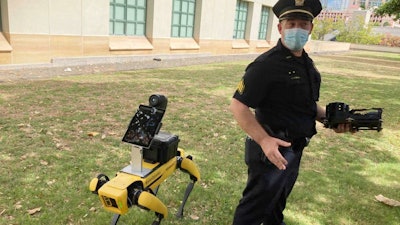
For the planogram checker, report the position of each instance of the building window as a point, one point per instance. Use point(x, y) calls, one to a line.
point(1, 23)
point(262, 33)
point(240, 19)
point(183, 13)
point(128, 17)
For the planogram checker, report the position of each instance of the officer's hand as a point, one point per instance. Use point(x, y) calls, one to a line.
point(270, 147)
point(343, 128)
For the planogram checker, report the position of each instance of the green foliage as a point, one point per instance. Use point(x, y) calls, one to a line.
point(352, 31)
point(322, 27)
point(390, 8)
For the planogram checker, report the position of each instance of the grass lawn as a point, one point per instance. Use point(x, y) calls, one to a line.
point(48, 152)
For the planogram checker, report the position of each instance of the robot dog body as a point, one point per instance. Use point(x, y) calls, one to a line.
point(159, 156)
point(126, 189)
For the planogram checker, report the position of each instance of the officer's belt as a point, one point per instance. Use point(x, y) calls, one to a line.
point(285, 135)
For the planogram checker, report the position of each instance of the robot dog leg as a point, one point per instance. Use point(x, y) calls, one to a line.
point(148, 201)
point(188, 166)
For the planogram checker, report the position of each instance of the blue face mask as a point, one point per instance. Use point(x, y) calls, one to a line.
point(295, 38)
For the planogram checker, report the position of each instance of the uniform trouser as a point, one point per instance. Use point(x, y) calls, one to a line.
point(267, 189)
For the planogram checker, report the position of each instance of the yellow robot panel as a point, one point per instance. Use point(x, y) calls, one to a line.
point(93, 184)
point(158, 175)
point(114, 195)
point(190, 167)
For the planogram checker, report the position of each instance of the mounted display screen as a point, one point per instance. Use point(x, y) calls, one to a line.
point(144, 125)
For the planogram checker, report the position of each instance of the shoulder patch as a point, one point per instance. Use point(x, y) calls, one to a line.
point(241, 87)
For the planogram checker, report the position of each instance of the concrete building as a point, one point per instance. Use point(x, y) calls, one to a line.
point(368, 4)
point(344, 5)
point(41, 30)
point(347, 10)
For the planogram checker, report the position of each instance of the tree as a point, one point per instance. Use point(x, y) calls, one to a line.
point(390, 8)
point(353, 31)
point(322, 27)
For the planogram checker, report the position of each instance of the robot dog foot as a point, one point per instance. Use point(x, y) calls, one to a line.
point(158, 221)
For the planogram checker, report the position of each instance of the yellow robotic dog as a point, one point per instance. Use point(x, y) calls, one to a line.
point(155, 156)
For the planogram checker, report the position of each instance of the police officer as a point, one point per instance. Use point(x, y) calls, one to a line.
point(282, 86)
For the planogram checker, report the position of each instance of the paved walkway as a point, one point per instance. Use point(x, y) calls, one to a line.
point(91, 65)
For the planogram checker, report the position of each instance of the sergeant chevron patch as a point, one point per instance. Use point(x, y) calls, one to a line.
point(241, 86)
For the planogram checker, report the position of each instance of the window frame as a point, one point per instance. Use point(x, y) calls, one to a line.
point(1, 21)
point(264, 20)
point(126, 21)
point(184, 27)
point(240, 24)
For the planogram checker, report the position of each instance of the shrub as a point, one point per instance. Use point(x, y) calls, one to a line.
point(352, 31)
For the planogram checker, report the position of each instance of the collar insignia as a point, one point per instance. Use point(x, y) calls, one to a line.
point(299, 2)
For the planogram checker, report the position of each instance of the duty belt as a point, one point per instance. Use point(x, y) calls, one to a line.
point(285, 135)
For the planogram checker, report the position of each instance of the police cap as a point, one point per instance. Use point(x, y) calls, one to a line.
point(301, 9)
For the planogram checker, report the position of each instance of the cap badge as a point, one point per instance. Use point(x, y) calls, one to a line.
point(299, 2)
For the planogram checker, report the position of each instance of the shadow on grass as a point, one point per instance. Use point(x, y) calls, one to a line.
point(338, 183)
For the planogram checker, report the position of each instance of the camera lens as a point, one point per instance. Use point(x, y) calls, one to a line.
point(158, 101)
point(154, 100)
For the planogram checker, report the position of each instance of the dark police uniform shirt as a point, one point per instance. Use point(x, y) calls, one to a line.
point(283, 90)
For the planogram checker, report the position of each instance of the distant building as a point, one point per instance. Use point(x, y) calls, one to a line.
point(344, 5)
point(369, 4)
point(335, 5)
point(40, 30)
point(348, 9)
